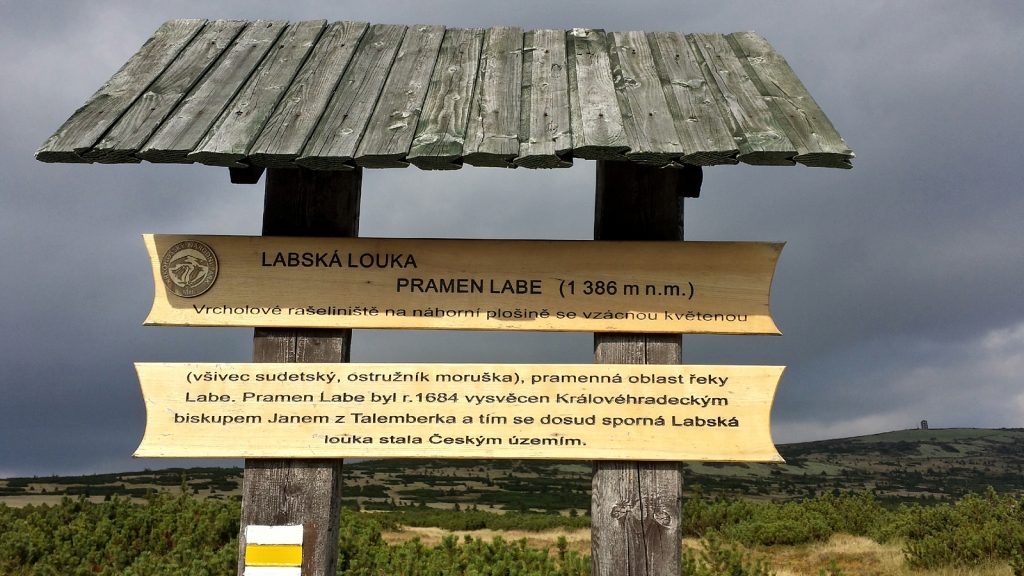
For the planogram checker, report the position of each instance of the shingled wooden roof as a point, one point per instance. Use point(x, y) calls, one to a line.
point(334, 96)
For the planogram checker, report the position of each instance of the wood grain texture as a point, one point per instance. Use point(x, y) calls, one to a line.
point(127, 136)
point(817, 141)
point(636, 506)
point(191, 120)
point(697, 287)
point(275, 419)
point(646, 120)
point(392, 126)
point(321, 204)
point(492, 138)
point(760, 138)
point(292, 492)
point(306, 492)
point(296, 116)
point(228, 141)
point(545, 128)
point(635, 526)
point(85, 127)
point(336, 137)
point(598, 133)
point(642, 203)
point(441, 133)
point(705, 137)
point(386, 96)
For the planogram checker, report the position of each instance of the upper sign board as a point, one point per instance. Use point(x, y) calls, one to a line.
point(582, 286)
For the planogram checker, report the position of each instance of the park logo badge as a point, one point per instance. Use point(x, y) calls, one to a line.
point(189, 268)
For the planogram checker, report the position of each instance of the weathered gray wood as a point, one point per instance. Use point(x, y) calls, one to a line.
point(102, 109)
point(296, 116)
point(143, 118)
point(302, 491)
point(392, 126)
point(281, 493)
point(312, 203)
point(492, 138)
point(817, 141)
point(189, 123)
point(352, 94)
point(643, 501)
point(597, 131)
point(646, 120)
point(336, 137)
point(545, 129)
point(761, 139)
point(705, 137)
point(636, 506)
point(228, 141)
point(441, 133)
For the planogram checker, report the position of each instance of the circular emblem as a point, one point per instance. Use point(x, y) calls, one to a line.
point(189, 268)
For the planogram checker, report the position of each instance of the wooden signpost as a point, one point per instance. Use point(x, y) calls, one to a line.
point(313, 103)
point(569, 412)
point(696, 287)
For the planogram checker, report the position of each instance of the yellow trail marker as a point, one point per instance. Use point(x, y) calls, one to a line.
point(273, 555)
point(273, 550)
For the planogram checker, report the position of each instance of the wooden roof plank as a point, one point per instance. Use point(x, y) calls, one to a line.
point(267, 93)
point(761, 139)
point(186, 127)
point(333, 143)
point(492, 138)
point(85, 127)
point(546, 128)
point(441, 134)
point(597, 131)
point(228, 141)
point(646, 119)
point(388, 136)
point(704, 136)
point(296, 117)
point(127, 136)
point(816, 139)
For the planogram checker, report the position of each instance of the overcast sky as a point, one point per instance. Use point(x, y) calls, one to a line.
point(900, 292)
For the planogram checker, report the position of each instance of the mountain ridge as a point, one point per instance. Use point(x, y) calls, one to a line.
point(926, 465)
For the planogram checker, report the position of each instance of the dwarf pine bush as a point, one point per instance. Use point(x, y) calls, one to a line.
point(976, 530)
point(171, 535)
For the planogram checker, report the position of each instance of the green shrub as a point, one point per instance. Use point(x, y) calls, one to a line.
point(716, 559)
point(479, 519)
point(759, 523)
point(362, 552)
point(976, 530)
point(175, 535)
point(169, 535)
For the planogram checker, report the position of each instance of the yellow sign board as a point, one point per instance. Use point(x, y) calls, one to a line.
point(564, 411)
point(584, 286)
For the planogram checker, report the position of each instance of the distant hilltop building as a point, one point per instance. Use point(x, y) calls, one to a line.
point(924, 424)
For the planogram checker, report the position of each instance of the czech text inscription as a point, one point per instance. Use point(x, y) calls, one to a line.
point(683, 287)
point(571, 411)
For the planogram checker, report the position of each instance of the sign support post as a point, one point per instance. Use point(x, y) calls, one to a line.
point(636, 506)
point(306, 492)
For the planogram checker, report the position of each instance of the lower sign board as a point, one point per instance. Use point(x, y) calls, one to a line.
point(584, 286)
point(566, 411)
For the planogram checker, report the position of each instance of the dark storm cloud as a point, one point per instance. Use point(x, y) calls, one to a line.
point(898, 292)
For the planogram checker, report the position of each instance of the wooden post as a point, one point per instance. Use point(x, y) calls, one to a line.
point(636, 506)
point(301, 202)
